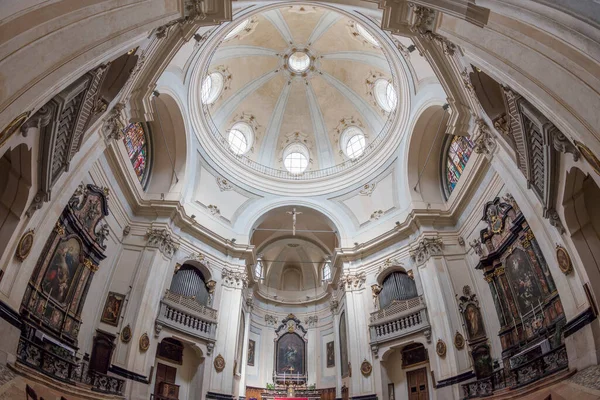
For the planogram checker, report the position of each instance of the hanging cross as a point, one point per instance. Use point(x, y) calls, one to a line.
point(294, 213)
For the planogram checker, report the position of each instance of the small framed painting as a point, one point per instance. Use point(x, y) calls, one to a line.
point(112, 308)
point(330, 355)
point(251, 351)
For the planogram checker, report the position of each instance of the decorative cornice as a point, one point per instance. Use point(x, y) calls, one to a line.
point(162, 239)
point(555, 221)
point(484, 140)
point(234, 279)
point(426, 248)
point(563, 145)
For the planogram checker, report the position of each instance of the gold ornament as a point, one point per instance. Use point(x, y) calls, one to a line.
point(564, 260)
point(144, 342)
point(440, 348)
point(366, 368)
point(459, 340)
point(25, 245)
point(219, 363)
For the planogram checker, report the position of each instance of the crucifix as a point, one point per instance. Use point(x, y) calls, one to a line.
point(294, 213)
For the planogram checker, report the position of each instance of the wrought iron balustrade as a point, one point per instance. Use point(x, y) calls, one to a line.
point(186, 315)
point(532, 371)
point(65, 370)
point(401, 318)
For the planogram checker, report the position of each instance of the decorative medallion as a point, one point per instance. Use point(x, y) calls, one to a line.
point(14, 126)
point(144, 342)
point(126, 334)
point(219, 363)
point(440, 348)
point(564, 260)
point(589, 156)
point(459, 341)
point(25, 245)
point(366, 368)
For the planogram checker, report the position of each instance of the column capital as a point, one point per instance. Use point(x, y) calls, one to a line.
point(425, 248)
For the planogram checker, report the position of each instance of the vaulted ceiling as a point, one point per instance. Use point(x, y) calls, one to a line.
point(314, 105)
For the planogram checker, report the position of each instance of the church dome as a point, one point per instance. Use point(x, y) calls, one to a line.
point(299, 93)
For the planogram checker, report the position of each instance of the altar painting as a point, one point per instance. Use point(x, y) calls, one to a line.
point(290, 354)
point(474, 322)
point(524, 282)
point(61, 270)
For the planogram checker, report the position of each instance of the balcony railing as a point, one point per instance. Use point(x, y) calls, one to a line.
point(186, 315)
point(401, 318)
point(529, 372)
point(65, 370)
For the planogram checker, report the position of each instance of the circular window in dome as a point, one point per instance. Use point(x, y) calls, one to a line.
point(238, 29)
point(353, 142)
point(295, 158)
point(366, 35)
point(212, 86)
point(240, 138)
point(299, 61)
point(385, 95)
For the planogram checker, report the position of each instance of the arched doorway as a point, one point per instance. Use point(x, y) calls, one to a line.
point(405, 373)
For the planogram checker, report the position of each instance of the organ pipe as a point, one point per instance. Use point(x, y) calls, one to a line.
point(189, 282)
point(397, 286)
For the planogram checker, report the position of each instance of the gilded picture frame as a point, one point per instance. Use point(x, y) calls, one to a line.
point(25, 245)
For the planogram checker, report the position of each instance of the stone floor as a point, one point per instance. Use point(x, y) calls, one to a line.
point(589, 377)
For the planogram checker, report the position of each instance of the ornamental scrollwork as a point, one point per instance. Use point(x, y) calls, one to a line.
point(353, 281)
point(426, 248)
point(113, 124)
point(484, 140)
point(234, 279)
point(162, 239)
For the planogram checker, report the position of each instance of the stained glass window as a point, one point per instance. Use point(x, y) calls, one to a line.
point(136, 143)
point(459, 151)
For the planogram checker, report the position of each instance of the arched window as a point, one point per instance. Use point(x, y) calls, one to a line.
point(258, 269)
point(241, 138)
point(137, 145)
point(457, 153)
point(295, 158)
point(237, 29)
point(327, 272)
point(397, 286)
point(212, 86)
point(366, 35)
point(189, 282)
point(385, 94)
point(353, 142)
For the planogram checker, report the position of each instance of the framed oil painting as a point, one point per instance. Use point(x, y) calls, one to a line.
point(524, 282)
point(112, 308)
point(61, 270)
point(251, 352)
point(290, 354)
point(330, 355)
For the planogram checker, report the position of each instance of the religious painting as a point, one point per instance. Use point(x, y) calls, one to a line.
point(290, 354)
point(474, 322)
point(25, 245)
point(112, 308)
point(523, 280)
point(61, 270)
point(413, 354)
point(251, 352)
point(564, 260)
point(330, 355)
point(482, 361)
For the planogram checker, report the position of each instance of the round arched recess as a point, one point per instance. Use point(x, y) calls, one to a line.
point(15, 184)
point(582, 222)
point(424, 154)
point(169, 146)
point(309, 223)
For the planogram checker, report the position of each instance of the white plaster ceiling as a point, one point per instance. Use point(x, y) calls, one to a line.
point(315, 104)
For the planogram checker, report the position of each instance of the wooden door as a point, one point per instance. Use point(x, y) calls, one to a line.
point(417, 384)
point(164, 373)
point(104, 344)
